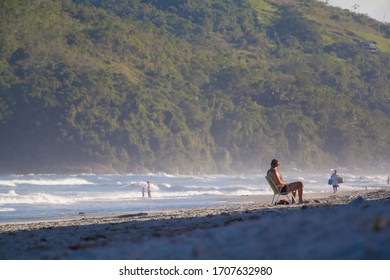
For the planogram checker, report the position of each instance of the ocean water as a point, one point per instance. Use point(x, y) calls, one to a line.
point(50, 196)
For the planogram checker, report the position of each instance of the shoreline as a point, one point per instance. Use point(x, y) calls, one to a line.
point(247, 229)
point(232, 202)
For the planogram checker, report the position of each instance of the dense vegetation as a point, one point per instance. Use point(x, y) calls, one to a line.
point(190, 85)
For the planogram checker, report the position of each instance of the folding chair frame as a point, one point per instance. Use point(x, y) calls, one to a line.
point(278, 193)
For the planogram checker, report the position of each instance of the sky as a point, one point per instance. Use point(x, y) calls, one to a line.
point(377, 9)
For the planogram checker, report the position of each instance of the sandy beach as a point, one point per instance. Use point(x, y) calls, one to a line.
point(350, 225)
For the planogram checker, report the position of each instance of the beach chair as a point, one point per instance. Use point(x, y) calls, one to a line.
point(278, 193)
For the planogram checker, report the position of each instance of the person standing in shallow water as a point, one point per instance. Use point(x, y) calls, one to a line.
point(149, 190)
point(283, 185)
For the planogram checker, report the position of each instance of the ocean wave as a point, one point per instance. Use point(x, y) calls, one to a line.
point(7, 209)
point(7, 183)
point(45, 182)
point(12, 197)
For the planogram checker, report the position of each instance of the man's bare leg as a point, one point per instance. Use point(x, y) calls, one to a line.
point(297, 186)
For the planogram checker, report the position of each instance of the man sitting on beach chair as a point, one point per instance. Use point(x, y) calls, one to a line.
point(283, 186)
point(278, 193)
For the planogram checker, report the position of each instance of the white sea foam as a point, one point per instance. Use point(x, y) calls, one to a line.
point(7, 183)
point(7, 209)
point(12, 197)
point(45, 182)
point(167, 185)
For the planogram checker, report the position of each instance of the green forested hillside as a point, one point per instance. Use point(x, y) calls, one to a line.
point(190, 86)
